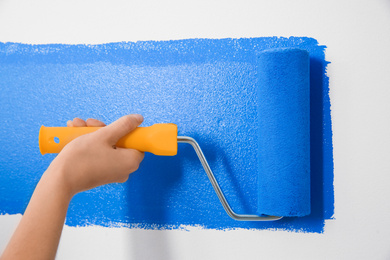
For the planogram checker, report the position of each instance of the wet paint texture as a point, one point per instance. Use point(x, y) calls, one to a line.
point(207, 87)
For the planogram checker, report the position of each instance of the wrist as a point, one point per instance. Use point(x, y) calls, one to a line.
point(55, 177)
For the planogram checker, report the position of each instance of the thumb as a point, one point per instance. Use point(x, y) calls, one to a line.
point(121, 127)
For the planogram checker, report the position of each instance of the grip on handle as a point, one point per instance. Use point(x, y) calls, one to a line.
point(159, 139)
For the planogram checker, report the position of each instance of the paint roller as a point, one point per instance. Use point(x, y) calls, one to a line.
point(283, 138)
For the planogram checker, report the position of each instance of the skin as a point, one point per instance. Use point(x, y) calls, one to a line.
point(85, 163)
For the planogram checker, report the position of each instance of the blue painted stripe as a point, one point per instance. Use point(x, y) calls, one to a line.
point(207, 87)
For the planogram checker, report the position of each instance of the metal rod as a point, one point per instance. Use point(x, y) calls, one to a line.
point(222, 199)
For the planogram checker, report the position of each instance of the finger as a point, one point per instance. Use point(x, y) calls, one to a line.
point(131, 158)
point(69, 123)
point(121, 127)
point(77, 122)
point(94, 122)
point(124, 179)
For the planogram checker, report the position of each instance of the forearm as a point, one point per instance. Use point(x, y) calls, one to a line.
point(39, 231)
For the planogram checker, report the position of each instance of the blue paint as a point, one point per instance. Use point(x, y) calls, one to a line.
point(207, 87)
point(284, 132)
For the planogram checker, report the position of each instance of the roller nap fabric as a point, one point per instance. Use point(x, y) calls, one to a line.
point(284, 132)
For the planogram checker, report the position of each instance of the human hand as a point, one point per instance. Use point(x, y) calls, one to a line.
point(88, 161)
point(93, 159)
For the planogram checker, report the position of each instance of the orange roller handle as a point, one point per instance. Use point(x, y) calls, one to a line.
point(159, 139)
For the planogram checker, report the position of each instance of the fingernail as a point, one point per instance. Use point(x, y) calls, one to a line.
point(69, 123)
point(139, 117)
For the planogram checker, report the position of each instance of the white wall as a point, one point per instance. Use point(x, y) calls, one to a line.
point(357, 34)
